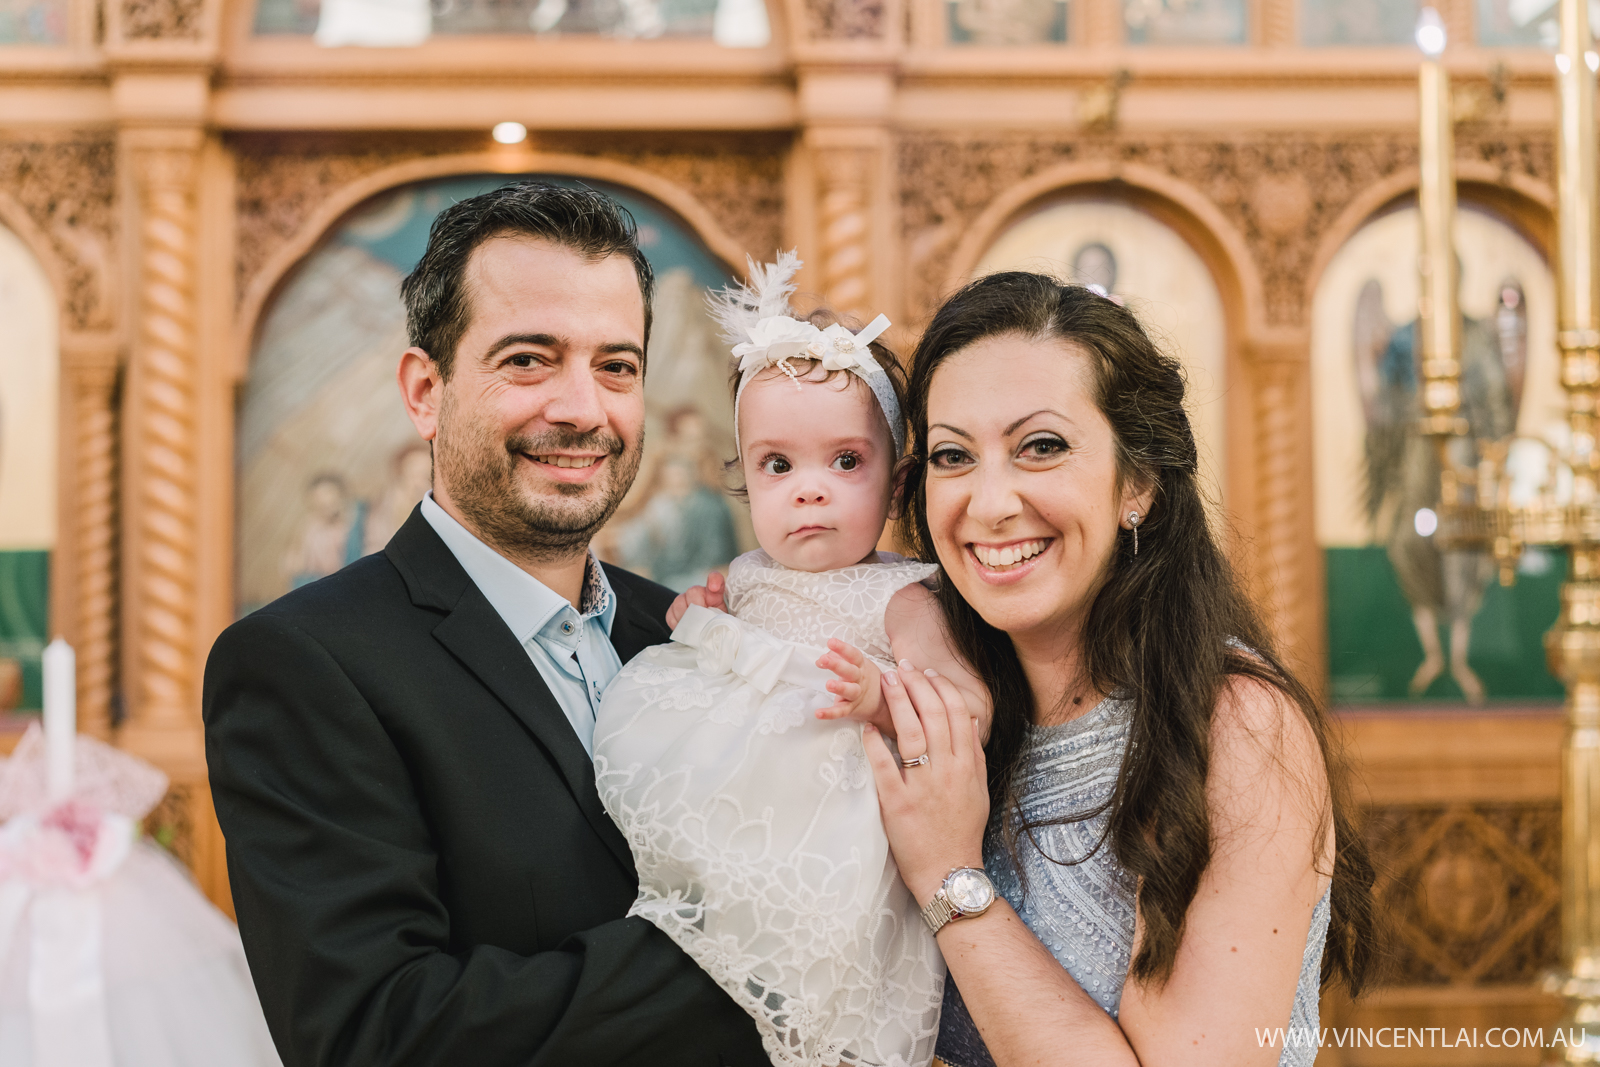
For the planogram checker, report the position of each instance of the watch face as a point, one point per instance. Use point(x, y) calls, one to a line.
point(969, 891)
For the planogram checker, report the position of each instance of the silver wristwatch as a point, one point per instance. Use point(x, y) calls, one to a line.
point(966, 891)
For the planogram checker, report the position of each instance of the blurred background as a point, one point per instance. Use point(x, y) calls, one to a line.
point(206, 207)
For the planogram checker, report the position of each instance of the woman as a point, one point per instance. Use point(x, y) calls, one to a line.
point(1171, 842)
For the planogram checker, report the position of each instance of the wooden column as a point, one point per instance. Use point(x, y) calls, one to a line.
point(89, 366)
point(162, 58)
point(160, 503)
point(1287, 571)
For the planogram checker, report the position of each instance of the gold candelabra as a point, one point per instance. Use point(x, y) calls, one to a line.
point(1477, 510)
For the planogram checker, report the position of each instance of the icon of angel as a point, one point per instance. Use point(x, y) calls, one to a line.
point(1443, 588)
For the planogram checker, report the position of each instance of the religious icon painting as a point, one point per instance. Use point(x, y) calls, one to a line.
point(329, 466)
point(1007, 22)
point(1358, 22)
point(1133, 257)
point(1186, 22)
point(29, 383)
point(33, 21)
point(1407, 620)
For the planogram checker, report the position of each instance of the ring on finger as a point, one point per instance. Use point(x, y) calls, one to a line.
point(917, 761)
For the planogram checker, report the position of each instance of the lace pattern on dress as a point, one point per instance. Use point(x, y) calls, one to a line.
point(755, 827)
point(809, 608)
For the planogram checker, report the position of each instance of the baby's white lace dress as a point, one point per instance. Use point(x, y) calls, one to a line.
point(755, 826)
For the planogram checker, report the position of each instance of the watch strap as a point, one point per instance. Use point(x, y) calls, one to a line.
point(939, 911)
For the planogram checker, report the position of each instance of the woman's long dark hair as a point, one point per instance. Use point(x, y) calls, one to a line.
point(1167, 628)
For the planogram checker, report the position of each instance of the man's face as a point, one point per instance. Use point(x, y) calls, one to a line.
point(539, 430)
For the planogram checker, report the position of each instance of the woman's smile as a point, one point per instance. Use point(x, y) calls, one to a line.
point(1003, 563)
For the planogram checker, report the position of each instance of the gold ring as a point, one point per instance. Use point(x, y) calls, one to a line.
point(920, 761)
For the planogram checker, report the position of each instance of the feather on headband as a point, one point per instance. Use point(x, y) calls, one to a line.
point(757, 321)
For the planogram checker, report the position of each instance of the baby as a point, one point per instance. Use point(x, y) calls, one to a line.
point(731, 758)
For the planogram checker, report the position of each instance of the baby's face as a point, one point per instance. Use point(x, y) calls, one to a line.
point(817, 462)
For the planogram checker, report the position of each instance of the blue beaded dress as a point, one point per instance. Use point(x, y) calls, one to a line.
point(1084, 912)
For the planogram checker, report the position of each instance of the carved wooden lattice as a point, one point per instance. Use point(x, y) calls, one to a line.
point(834, 20)
point(68, 188)
point(145, 20)
point(1282, 193)
point(284, 178)
point(1471, 892)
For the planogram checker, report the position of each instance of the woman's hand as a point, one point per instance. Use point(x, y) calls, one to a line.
point(704, 596)
point(933, 814)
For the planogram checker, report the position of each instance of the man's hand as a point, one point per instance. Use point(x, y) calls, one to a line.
point(856, 690)
point(703, 596)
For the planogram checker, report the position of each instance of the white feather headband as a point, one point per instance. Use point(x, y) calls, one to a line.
point(757, 320)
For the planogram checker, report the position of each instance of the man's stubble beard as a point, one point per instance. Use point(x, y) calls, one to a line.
point(479, 468)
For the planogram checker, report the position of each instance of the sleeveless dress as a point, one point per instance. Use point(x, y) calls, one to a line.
point(755, 826)
point(1083, 913)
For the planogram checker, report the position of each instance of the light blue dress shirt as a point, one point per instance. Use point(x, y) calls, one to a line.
point(571, 649)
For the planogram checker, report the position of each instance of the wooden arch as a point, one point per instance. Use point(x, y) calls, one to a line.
point(1177, 204)
point(275, 271)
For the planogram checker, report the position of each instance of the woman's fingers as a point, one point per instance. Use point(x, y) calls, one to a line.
point(885, 771)
point(907, 725)
point(930, 710)
point(956, 708)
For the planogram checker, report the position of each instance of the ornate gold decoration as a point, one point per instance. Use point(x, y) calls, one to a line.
point(1100, 106)
point(1476, 508)
point(171, 824)
point(843, 175)
point(161, 19)
point(68, 187)
point(1438, 315)
point(163, 405)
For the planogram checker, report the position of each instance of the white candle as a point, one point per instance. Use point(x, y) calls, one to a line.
point(60, 716)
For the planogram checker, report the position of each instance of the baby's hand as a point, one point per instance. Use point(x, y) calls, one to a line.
point(856, 692)
point(704, 596)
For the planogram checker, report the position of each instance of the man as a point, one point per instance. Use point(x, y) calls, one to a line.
point(422, 868)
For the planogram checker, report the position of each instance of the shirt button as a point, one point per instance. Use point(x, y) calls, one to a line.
point(566, 628)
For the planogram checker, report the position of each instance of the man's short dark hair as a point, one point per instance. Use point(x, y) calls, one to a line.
point(591, 223)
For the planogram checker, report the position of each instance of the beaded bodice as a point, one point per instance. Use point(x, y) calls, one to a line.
point(1083, 912)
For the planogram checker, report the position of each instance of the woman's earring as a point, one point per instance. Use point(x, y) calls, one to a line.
point(1133, 524)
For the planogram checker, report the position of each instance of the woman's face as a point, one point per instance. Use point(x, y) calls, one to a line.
point(1022, 491)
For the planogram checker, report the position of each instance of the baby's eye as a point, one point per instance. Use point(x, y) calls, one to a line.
point(948, 458)
point(847, 461)
point(775, 465)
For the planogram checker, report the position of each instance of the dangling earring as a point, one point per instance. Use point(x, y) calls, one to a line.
point(1133, 524)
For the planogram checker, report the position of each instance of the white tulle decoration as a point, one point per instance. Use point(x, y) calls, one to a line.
point(109, 955)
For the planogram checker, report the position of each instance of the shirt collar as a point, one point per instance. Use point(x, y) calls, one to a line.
point(525, 603)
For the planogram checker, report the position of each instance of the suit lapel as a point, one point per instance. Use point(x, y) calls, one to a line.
point(475, 634)
point(630, 633)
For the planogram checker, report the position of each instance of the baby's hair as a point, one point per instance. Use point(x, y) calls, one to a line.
point(822, 318)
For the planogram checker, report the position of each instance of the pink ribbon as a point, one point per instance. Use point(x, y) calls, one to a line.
point(51, 866)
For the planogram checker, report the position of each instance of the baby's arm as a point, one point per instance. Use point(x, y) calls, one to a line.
point(917, 633)
point(856, 690)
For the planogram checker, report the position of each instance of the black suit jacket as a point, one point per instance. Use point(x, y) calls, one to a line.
point(421, 866)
